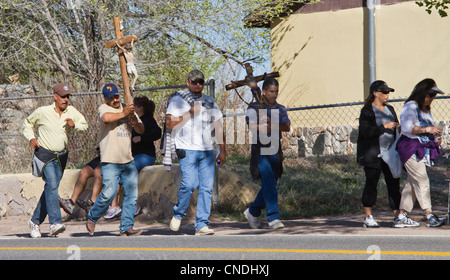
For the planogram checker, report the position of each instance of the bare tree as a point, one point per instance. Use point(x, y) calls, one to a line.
point(49, 39)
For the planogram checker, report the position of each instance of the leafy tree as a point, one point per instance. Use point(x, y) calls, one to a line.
point(440, 6)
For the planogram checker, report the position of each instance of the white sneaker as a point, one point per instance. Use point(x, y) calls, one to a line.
point(369, 222)
point(175, 224)
point(276, 224)
point(403, 221)
point(252, 220)
point(57, 229)
point(112, 212)
point(205, 231)
point(35, 230)
point(138, 210)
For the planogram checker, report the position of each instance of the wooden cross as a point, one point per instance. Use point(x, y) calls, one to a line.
point(252, 81)
point(120, 40)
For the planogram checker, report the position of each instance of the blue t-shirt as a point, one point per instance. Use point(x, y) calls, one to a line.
point(277, 114)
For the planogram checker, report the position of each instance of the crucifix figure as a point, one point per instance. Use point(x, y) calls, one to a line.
point(118, 42)
point(252, 81)
point(129, 57)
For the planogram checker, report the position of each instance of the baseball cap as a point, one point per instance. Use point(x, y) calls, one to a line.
point(109, 90)
point(61, 89)
point(435, 90)
point(195, 75)
point(380, 85)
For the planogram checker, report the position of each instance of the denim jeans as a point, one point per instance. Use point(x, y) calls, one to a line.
point(268, 194)
point(197, 171)
point(111, 174)
point(48, 203)
point(143, 160)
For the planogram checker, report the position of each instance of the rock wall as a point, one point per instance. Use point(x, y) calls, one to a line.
point(157, 193)
point(15, 106)
point(334, 140)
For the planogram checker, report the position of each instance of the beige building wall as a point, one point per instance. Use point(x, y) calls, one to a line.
point(322, 57)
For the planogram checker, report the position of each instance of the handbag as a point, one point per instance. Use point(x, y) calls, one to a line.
point(392, 158)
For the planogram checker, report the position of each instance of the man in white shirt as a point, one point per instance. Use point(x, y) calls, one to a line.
point(191, 117)
point(116, 123)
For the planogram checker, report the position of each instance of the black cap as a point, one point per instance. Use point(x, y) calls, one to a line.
point(380, 86)
point(435, 90)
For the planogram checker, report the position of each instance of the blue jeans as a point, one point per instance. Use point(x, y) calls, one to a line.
point(48, 203)
point(143, 160)
point(197, 171)
point(267, 195)
point(111, 174)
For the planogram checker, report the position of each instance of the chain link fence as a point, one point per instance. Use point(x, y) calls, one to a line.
point(308, 125)
point(19, 101)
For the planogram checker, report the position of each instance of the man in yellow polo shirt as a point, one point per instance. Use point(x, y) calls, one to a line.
point(54, 123)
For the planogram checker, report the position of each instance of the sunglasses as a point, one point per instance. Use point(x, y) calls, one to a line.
point(65, 96)
point(198, 82)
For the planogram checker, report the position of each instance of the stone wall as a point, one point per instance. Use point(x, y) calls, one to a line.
point(334, 140)
point(14, 108)
point(157, 193)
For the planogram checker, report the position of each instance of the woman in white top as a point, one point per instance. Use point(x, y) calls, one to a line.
point(418, 147)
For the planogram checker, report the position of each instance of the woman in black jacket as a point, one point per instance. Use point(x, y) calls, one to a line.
point(142, 146)
point(377, 124)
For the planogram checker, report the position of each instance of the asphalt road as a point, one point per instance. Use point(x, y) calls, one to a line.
point(229, 247)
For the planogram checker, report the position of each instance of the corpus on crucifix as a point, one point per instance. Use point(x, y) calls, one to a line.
point(120, 41)
point(252, 81)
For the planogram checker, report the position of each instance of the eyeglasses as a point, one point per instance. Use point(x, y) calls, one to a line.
point(198, 82)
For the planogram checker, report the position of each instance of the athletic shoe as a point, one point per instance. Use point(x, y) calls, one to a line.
point(66, 204)
point(405, 222)
point(35, 230)
point(205, 231)
point(112, 212)
point(56, 229)
point(86, 205)
point(276, 224)
point(434, 221)
point(253, 221)
point(138, 210)
point(369, 222)
point(175, 224)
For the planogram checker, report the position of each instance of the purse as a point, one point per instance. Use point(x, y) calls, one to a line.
point(392, 158)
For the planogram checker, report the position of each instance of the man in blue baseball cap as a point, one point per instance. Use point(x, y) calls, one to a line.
point(116, 123)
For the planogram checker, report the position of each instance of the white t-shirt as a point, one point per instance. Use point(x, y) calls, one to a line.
point(409, 119)
point(195, 134)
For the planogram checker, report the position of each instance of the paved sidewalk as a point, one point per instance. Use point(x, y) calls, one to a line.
point(17, 226)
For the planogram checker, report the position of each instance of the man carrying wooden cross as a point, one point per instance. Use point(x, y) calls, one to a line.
point(266, 120)
point(116, 123)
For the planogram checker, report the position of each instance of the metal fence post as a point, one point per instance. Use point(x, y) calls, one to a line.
point(212, 93)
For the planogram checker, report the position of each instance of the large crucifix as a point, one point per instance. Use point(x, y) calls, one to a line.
point(120, 40)
point(252, 81)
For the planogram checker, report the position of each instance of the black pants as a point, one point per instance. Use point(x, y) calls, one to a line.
point(369, 196)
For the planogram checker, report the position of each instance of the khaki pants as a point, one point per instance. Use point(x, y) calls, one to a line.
point(417, 186)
